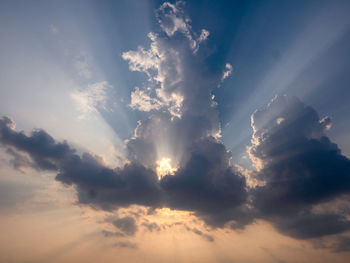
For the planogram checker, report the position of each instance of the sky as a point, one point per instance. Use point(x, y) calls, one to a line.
point(152, 131)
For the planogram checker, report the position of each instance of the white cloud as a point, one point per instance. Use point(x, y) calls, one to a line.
point(142, 101)
point(178, 92)
point(204, 35)
point(227, 72)
point(162, 65)
point(164, 62)
point(172, 19)
point(89, 100)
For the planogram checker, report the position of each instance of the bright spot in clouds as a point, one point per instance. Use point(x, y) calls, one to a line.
point(164, 167)
point(127, 159)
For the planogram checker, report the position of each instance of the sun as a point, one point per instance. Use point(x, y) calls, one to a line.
point(164, 167)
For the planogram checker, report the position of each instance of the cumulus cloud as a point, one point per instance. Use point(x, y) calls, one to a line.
point(300, 168)
point(142, 101)
point(179, 92)
point(184, 126)
point(172, 19)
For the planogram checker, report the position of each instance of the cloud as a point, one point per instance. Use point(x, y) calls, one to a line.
point(151, 226)
point(206, 184)
point(299, 167)
point(205, 181)
point(172, 19)
point(227, 72)
point(200, 233)
point(20, 160)
point(306, 225)
point(142, 101)
point(41, 147)
point(92, 99)
point(182, 126)
point(126, 224)
point(96, 184)
point(342, 244)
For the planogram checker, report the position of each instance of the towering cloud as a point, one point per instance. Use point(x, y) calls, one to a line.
point(184, 124)
point(182, 128)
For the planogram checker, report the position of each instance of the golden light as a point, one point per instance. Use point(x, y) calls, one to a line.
point(164, 167)
point(171, 213)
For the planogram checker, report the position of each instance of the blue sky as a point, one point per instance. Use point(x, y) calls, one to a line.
point(206, 104)
point(275, 47)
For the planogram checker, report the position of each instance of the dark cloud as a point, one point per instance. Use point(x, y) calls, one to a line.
point(19, 160)
point(126, 224)
point(41, 146)
point(107, 188)
point(206, 184)
point(308, 225)
point(151, 226)
point(96, 184)
point(342, 244)
point(300, 167)
point(200, 233)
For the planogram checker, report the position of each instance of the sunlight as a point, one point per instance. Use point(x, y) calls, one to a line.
point(167, 215)
point(164, 167)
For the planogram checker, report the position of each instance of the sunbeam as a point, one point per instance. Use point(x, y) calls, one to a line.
point(174, 131)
